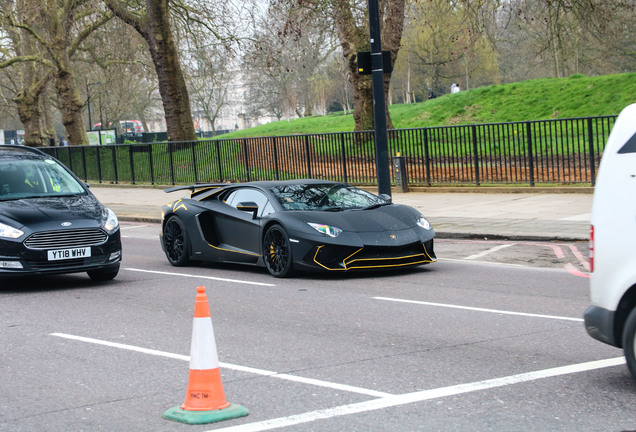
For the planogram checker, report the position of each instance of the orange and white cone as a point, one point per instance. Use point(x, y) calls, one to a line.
point(205, 399)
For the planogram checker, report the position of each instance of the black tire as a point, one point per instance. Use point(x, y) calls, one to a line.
point(104, 274)
point(175, 242)
point(277, 252)
point(629, 345)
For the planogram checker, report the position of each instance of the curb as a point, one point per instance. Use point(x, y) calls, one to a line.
point(431, 189)
point(439, 234)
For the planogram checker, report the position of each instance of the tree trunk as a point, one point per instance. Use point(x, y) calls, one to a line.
point(47, 118)
point(71, 106)
point(29, 104)
point(155, 28)
point(362, 99)
point(354, 39)
point(28, 111)
point(172, 86)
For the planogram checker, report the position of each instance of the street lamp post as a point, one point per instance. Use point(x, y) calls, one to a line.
point(379, 105)
point(88, 102)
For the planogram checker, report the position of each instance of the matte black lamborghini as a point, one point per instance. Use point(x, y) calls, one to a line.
point(294, 225)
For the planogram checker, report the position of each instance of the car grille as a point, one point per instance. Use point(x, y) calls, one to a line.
point(66, 239)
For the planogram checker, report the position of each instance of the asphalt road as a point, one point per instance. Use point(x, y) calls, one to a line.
point(488, 338)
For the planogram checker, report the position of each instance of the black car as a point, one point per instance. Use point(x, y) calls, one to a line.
point(49, 220)
point(294, 225)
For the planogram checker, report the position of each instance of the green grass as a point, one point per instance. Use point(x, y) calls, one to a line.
point(540, 99)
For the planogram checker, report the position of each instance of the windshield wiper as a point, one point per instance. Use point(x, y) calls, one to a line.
point(21, 197)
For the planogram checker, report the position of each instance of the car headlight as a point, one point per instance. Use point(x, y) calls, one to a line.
point(7, 231)
point(424, 223)
point(331, 231)
point(110, 221)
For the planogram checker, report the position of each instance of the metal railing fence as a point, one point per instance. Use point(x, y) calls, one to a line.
point(563, 151)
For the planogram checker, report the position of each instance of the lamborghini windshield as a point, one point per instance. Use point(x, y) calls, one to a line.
point(329, 197)
point(35, 178)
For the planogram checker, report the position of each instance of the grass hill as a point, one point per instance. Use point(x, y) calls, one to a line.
point(540, 99)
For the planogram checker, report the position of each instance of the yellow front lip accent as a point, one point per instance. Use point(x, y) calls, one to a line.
point(348, 265)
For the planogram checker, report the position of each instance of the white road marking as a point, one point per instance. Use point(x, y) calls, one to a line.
point(200, 277)
point(255, 371)
point(488, 251)
point(476, 309)
point(421, 396)
point(383, 401)
point(127, 227)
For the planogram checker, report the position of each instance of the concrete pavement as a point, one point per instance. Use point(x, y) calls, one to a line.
point(514, 213)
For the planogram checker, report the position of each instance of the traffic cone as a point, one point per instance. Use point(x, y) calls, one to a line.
point(205, 399)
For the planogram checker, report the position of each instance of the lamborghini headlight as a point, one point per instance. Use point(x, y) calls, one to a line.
point(7, 231)
point(424, 223)
point(331, 231)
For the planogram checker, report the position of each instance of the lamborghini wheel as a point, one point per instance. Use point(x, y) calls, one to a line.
point(175, 242)
point(277, 252)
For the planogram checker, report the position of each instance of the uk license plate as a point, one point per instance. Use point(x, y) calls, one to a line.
point(62, 254)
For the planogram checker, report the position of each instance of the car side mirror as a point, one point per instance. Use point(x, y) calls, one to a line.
point(386, 197)
point(248, 206)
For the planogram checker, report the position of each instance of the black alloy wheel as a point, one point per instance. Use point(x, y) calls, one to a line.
point(175, 242)
point(277, 252)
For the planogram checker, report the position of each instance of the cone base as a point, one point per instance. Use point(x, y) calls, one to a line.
point(203, 417)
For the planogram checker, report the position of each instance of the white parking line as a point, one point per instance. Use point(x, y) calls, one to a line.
point(488, 251)
point(255, 371)
point(392, 401)
point(502, 312)
point(200, 277)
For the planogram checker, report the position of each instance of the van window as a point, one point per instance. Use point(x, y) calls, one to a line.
point(630, 146)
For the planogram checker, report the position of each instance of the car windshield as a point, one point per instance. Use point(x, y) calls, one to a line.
point(35, 178)
point(329, 197)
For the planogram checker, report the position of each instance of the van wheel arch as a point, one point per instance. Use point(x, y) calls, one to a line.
point(624, 308)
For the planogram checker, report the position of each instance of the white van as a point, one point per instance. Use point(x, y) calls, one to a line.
point(612, 316)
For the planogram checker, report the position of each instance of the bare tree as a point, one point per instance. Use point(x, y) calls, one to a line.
point(351, 17)
point(58, 28)
point(209, 75)
point(289, 48)
point(578, 36)
point(159, 22)
point(124, 85)
point(29, 72)
point(151, 19)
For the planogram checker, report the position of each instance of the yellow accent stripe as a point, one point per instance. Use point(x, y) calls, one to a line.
point(230, 250)
point(347, 266)
point(173, 205)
